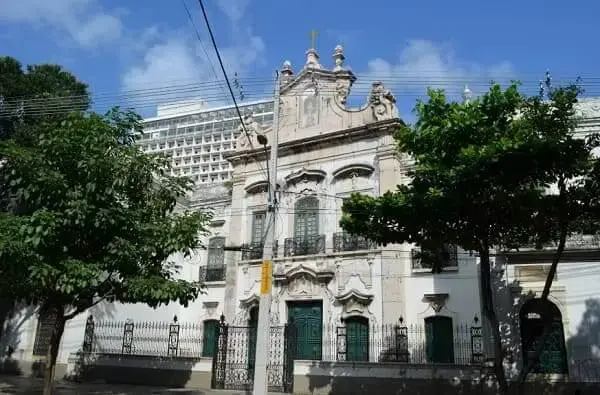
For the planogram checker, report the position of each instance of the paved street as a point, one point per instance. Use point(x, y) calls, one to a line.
point(26, 386)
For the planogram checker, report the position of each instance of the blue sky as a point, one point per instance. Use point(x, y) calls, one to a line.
point(121, 46)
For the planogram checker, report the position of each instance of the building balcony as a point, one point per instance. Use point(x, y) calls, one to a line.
point(345, 242)
point(254, 251)
point(449, 257)
point(212, 273)
point(300, 246)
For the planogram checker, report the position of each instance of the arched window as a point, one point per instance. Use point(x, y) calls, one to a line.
point(306, 228)
point(209, 337)
point(306, 221)
point(357, 339)
point(532, 317)
point(215, 267)
point(440, 340)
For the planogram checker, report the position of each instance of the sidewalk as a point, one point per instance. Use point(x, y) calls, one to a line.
point(27, 386)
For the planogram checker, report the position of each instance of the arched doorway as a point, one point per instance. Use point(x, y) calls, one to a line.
point(532, 318)
point(357, 339)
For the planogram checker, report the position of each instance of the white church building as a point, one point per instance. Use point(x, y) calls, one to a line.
point(358, 309)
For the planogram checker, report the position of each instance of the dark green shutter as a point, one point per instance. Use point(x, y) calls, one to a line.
point(308, 322)
point(439, 339)
point(306, 218)
point(252, 334)
point(357, 339)
point(209, 337)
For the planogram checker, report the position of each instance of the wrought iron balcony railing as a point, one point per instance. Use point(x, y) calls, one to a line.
point(448, 257)
point(212, 273)
point(300, 246)
point(343, 241)
point(255, 251)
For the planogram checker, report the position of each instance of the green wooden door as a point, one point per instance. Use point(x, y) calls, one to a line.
point(252, 333)
point(308, 324)
point(440, 340)
point(357, 339)
point(209, 337)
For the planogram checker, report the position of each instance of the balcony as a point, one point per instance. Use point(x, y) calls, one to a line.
point(449, 257)
point(254, 251)
point(301, 246)
point(212, 273)
point(345, 242)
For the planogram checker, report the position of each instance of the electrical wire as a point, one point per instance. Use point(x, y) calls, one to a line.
point(189, 14)
point(150, 96)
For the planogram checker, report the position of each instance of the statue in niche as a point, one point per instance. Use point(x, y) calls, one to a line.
point(382, 102)
point(310, 110)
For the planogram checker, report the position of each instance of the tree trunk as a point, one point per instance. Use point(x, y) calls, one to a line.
point(525, 370)
point(490, 313)
point(52, 354)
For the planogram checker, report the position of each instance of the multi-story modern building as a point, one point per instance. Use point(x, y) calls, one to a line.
point(197, 136)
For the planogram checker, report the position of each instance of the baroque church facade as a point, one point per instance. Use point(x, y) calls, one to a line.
point(345, 286)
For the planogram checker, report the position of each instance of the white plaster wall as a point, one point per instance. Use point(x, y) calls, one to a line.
point(463, 302)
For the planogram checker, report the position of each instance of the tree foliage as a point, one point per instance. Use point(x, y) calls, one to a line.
point(95, 217)
point(92, 218)
point(40, 91)
point(501, 171)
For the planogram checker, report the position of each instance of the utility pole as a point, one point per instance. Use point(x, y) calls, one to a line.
point(264, 306)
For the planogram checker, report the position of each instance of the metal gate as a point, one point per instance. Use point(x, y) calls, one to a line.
point(233, 361)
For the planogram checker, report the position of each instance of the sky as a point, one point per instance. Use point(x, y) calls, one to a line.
point(151, 47)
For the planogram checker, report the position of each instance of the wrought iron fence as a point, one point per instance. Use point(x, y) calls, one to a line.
point(415, 343)
point(402, 343)
point(299, 246)
point(343, 241)
point(144, 338)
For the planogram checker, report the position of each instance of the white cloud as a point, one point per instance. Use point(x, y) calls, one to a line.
point(175, 67)
point(423, 64)
point(234, 9)
point(82, 20)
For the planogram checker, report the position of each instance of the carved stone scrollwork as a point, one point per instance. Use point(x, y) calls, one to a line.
point(354, 303)
point(436, 301)
point(382, 102)
point(342, 91)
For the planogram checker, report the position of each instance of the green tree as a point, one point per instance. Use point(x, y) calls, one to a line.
point(96, 221)
point(38, 92)
point(481, 176)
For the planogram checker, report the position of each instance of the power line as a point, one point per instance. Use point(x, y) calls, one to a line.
point(235, 104)
point(216, 48)
point(189, 14)
point(359, 86)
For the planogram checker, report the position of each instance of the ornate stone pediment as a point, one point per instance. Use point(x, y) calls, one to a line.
point(305, 174)
point(355, 295)
point(354, 302)
point(320, 274)
point(436, 301)
point(250, 301)
point(261, 186)
point(359, 169)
